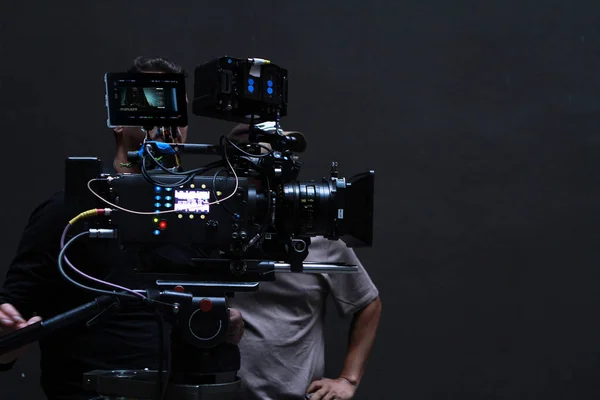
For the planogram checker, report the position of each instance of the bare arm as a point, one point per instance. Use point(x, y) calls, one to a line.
point(362, 336)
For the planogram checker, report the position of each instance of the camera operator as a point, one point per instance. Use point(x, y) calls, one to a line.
point(283, 344)
point(34, 288)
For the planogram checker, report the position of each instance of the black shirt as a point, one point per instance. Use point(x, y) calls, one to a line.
point(127, 339)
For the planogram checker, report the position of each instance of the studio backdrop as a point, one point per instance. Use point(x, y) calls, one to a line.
point(480, 120)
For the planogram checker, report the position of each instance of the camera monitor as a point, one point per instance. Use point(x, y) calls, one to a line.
point(146, 99)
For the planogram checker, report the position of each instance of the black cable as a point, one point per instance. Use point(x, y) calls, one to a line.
point(182, 173)
point(269, 151)
point(167, 170)
point(186, 179)
point(188, 175)
point(205, 168)
point(148, 178)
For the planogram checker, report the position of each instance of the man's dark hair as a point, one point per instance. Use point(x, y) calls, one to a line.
point(159, 64)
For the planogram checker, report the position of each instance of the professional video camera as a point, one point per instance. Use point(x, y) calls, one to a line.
point(248, 211)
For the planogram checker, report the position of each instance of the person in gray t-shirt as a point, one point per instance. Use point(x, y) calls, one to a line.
point(283, 345)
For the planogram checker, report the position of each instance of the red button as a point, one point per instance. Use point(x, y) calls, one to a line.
point(162, 224)
point(179, 289)
point(205, 305)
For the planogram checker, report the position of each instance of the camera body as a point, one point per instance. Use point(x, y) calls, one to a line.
point(249, 216)
point(250, 205)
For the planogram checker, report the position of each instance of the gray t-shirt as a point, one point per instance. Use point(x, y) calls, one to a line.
point(283, 344)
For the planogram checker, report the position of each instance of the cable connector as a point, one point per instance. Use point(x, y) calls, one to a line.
point(103, 233)
point(92, 213)
point(254, 240)
point(104, 211)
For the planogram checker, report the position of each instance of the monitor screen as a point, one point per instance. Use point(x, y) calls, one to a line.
point(146, 99)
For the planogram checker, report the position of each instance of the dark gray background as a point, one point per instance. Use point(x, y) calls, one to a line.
point(479, 119)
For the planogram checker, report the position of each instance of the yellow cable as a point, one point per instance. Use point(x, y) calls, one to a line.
point(85, 214)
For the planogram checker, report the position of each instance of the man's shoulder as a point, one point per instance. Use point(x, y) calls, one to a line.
point(52, 208)
point(336, 252)
point(55, 199)
point(329, 250)
point(351, 292)
point(319, 246)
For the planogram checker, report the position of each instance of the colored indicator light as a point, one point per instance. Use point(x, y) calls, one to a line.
point(191, 216)
point(180, 216)
point(157, 205)
point(155, 220)
point(250, 81)
point(192, 186)
point(157, 189)
point(270, 83)
point(251, 89)
point(162, 224)
point(168, 205)
point(168, 189)
point(168, 198)
point(156, 232)
point(229, 61)
point(270, 90)
point(156, 197)
point(179, 289)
